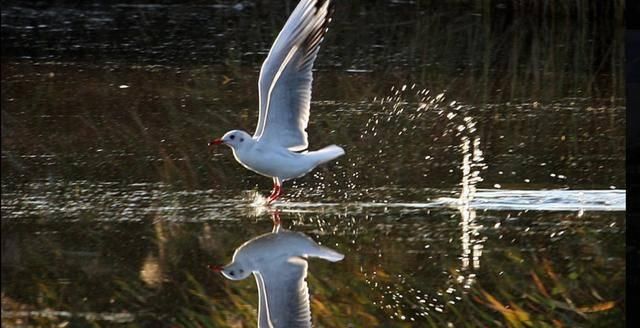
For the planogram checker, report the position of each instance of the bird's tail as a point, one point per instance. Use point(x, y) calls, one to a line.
point(326, 154)
point(326, 253)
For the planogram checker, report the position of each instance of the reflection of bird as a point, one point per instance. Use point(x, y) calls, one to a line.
point(277, 260)
point(277, 147)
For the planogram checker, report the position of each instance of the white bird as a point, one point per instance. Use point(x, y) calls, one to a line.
point(277, 261)
point(278, 147)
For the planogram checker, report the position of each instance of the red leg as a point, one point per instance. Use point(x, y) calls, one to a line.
point(273, 191)
point(277, 191)
point(276, 221)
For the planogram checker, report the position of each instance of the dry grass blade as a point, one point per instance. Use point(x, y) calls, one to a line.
point(604, 306)
point(513, 317)
point(539, 284)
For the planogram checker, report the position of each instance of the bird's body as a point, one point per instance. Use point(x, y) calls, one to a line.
point(278, 147)
point(278, 162)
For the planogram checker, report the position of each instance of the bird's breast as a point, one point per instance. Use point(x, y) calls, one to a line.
point(272, 162)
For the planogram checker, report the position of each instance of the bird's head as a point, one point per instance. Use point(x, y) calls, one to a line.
point(233, 271)
point(233, 139)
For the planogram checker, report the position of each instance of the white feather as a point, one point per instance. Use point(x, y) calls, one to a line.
point(286, 77)
point(277, 261)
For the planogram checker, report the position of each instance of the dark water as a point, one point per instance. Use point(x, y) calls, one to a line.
point(483, 183)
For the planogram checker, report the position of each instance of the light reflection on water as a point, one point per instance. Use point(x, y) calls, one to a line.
point(118, 202)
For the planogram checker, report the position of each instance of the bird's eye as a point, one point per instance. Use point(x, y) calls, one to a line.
point(241, 139)
point(232, 273)
point(232, 137)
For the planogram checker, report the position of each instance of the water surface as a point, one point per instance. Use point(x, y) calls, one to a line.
point(483, 183)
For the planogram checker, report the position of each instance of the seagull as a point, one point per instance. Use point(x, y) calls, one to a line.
point(277, 261)
point(278, 148)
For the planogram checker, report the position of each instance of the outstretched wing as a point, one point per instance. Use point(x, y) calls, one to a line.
point(285, 78)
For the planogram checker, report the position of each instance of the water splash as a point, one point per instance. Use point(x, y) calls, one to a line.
point(255, 199)
point(418, 128)
point(412, 127)
point(403, 115)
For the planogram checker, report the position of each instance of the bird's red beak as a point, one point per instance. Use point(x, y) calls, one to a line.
point(215, 268)
point(215, 142)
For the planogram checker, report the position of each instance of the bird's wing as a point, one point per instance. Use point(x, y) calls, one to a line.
point(285, 78)
point(264, 319)
point(283, 288)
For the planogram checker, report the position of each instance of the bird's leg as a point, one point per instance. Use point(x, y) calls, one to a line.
point(277, 190)
point(276, 221)
point(274, 192)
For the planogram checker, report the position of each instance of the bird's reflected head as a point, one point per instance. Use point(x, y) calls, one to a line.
point(233, 271)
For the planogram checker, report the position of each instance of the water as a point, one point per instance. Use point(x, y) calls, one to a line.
point(476, 191)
